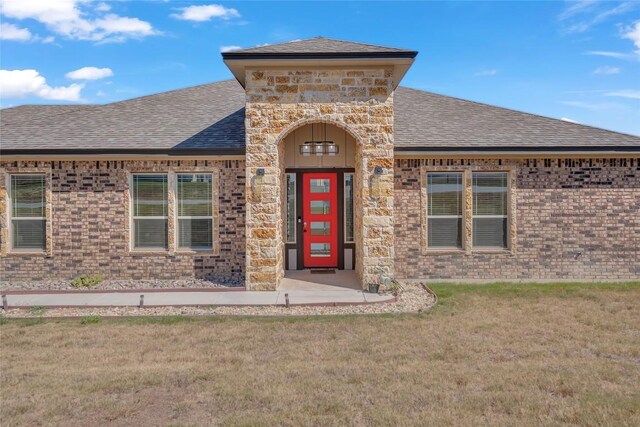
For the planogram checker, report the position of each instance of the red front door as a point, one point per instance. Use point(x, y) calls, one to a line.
point(320, 219)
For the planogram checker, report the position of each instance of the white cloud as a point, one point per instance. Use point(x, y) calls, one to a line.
point(89, 73)
point(606, 69)
point(103, 7)
point(11, 32)
point(576, 8)
point(591, 106)
point(630, 33)
point(566, 119)
point(78, 19)
point(206, 13)
point(582, 15)
point(625, 93)
point(633, 33)
point(485, 73)
point(229, 48)
point(23, 83)
point(616, 55)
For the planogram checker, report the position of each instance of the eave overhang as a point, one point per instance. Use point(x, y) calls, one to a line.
point(399, 152)
point(238, 62)
point(407, 151)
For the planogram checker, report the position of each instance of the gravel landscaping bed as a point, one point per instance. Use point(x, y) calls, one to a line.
point(115, 284)
point(413, 298)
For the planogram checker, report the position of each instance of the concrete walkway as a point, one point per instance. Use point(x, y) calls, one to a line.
point(176, 298)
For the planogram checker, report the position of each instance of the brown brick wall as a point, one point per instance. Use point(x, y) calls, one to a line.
point(575, 220)
point(89, 225)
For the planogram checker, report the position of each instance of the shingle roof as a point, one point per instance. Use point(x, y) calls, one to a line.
point(319, 45)
point(211, 117)
point(432, 121)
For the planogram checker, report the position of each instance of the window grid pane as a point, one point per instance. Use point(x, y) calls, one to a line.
point(150, 233)
point(490, 232)
point(27, 196)
point(150, 195)
point(28, 233)
point(490, 191)
point(489, 194)
point(195, 233)
point(445, 232)
point(194, 195)
point(444, 210)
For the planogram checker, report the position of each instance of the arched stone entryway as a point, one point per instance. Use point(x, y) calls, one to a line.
point(319, 221)
point(367, 115)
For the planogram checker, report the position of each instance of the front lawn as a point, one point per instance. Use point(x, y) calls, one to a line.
point(486, 354)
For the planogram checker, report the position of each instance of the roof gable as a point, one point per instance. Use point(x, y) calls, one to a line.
point(318, 46)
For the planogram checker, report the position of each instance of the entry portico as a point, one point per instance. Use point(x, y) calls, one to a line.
point(319, 87)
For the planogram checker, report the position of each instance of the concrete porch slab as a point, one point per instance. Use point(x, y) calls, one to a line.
point(305, 280)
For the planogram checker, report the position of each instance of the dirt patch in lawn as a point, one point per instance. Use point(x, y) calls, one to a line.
point(495, 357)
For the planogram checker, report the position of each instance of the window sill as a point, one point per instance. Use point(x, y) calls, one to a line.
point(149, 252)
point(26, 253)
point(438, 251)
point(491, 251)
point(208, 251)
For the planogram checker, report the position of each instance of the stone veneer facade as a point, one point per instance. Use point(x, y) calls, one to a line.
point(572, 219)
point(88, 223)
point(359, 100)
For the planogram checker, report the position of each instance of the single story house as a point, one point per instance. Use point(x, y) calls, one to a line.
point(314, 157)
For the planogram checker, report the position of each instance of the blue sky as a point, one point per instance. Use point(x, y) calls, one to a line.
point(577, 60)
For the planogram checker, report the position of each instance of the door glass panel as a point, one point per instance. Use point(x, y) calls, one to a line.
point(320, 185)
point(320, 249)
point(291, 208)
point(319, 228)
point(348, 208)
point(320, 207)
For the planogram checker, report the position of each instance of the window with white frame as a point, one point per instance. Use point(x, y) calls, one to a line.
point(27, 212)
point(444, 209)
point(150, 211)
point(490, 190)
point(291, 208)
point(194, 196)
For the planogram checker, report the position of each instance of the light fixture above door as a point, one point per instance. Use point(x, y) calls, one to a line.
point(319, 147)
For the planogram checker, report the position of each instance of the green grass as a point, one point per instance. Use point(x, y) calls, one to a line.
point(446, 291)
